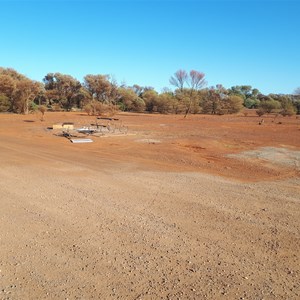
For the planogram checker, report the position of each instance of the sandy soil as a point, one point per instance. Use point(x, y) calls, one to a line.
point(200, 208)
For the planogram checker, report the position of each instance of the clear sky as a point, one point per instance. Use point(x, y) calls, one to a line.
point(144, 42)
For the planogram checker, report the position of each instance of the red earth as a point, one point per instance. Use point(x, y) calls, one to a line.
point(175, 208)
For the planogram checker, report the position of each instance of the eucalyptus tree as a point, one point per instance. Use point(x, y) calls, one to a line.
point(211, 101)
point(151, 99)
point(7, 90)
point(167, 103)
point(130, 101)
point(26, 92)
point(17, 90)
point(62, 89)
point(102, 88)
point(249, 94)
point(4, 103)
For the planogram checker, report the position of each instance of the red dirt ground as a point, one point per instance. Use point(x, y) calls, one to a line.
point(197, 143)
point(174, 209)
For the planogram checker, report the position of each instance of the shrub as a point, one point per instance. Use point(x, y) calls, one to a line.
point(235, 104)
point(260, 112)
point(269, 105)
point(42, 109)
point(288, 112)
point(96, 108)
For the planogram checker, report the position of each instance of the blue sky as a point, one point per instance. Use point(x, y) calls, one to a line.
point(144, 42)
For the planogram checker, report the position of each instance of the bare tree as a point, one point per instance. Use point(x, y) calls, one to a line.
point(297, 91)
point(196, 80)
point(179, 79)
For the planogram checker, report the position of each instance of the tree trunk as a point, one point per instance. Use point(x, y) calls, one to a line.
point(26, 108)
point(190, 104)
point(188, 109)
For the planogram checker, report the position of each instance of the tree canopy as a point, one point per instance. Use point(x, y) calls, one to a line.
point(100, 92)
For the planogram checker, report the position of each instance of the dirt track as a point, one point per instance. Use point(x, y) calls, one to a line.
point(177, 209)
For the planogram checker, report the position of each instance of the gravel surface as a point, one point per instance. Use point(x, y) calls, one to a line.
point(275, 155)
point(101, 221)
point(146, 235)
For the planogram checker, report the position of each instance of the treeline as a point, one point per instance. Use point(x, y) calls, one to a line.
point(99, 94)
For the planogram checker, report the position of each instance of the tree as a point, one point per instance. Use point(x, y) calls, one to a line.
point(151, 100)
point(62, 89)
point(234, 104)
point(82, 98)
point(7, 85)
point(179, 79)
point(19, 90)
point(195, 81)
point(297, 91)
point(138, 89)
point(286, 104)
point(269, 105)
point(251, 102)
point(241, 90)
point(26, 91)
point(288, 110)
point(4, 103)
point(8, 81)
point(7, 90)
point(216, 101)
point(297, 106)
point(12, 73)
point(211, 102)
point(249, 94)
point(166, 103)
point(129, 101)
point(100, 87)
point(188, 101)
